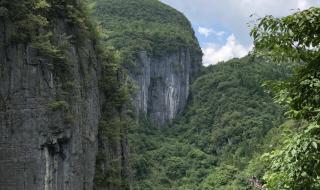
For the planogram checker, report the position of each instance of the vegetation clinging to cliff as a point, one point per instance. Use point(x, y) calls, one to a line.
point(132, 26)
point(32, 18)
point(128, 27)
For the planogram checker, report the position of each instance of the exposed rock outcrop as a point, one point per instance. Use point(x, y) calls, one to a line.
point(163, 83)
point(48, 135)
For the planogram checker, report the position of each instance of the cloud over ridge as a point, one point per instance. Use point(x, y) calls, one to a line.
point(221, 26)
point(214, 53)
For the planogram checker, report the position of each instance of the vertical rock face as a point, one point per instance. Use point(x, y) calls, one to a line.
point(47, 142)
point(159, 49)
point(163, 83)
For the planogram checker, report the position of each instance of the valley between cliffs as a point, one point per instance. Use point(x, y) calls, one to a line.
point(112, 95)
point(55, 98)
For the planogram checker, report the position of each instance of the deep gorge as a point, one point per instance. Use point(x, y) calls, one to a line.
point(112, 95)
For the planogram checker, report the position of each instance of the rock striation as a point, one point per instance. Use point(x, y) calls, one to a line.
point(48, 135)
point(163, 83)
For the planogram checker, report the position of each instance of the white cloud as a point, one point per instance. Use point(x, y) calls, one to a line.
point(303, 4)
point(234, 15)
point(214, 53)
point(209, 31)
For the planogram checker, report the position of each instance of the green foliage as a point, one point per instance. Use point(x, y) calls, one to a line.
point(293, 37)
point(131, 27)
point(176, 168)
point(63, 107)
point(114, 122)
point(27, 17)
point(114, 82)
point(143, 25)
point(220, 178)
point(295, 165)
point(109, 163)
point(59, 105)
point(221, 131)
point(33, 21)
point(45, 47)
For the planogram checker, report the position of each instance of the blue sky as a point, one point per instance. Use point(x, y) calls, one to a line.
point(222, 27)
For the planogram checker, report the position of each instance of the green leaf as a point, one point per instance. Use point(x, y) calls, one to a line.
point(315, 145)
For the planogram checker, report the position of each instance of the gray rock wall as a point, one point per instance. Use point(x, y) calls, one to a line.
point(41, 148)
point(163, 83)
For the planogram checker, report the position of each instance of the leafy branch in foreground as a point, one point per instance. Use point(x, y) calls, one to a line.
point(296, 36)
point(295, 165)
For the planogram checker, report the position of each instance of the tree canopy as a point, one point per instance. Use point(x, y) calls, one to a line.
point(144, 25)
point(296, 165)
point(224, 126)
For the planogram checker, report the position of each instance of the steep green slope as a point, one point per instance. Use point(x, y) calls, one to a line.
point(150, 25)
point(222, 129)
point(128, 28)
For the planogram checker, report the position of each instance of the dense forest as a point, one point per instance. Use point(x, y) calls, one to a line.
point(133, 26)
point(229, 121)
point(70, 72)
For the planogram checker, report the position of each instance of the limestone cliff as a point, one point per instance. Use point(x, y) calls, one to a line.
point(49, 104)
point(163, 83)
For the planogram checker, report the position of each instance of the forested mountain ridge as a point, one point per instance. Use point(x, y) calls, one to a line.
point(160, 55)
point(158, 48)
point(144, 25)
